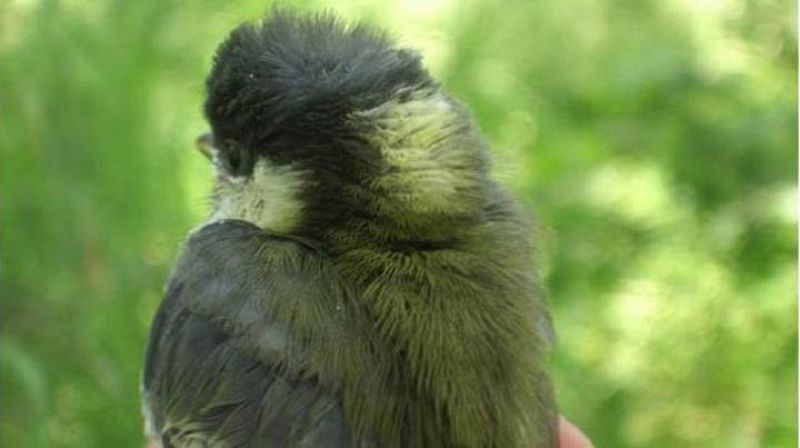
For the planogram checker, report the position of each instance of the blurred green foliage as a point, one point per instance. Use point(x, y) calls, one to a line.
point(655, 140)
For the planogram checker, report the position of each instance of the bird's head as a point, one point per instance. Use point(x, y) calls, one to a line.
point(330, 131)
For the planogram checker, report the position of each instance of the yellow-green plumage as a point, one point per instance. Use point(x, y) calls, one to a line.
point(394, 302)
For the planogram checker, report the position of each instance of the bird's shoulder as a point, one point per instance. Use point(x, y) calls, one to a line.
point(230, 344)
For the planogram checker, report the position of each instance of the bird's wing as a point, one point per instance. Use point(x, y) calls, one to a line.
point(225, 364)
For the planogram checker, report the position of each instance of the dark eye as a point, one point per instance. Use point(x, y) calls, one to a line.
point(234, 159)
point(238, 160)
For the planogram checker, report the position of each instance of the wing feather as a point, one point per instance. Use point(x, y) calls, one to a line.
point(221, 368)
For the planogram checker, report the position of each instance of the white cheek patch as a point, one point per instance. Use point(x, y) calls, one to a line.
point(432, 153)
point(270, 198)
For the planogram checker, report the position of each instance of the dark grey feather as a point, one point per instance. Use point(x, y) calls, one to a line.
point(218, 377)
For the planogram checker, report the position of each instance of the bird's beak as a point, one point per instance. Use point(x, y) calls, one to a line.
point(206, 145)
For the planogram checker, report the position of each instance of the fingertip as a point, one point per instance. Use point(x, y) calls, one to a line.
point(569, 436)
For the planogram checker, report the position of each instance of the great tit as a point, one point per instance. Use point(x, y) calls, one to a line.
point(362, 280)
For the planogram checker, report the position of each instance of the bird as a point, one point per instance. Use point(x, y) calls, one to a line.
point(362, 279)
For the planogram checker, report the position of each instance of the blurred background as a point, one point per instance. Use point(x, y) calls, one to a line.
point(655, 140)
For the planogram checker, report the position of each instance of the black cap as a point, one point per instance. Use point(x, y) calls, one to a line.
point(291, 80)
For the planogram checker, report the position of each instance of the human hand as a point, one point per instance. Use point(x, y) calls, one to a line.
point(569, 436)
